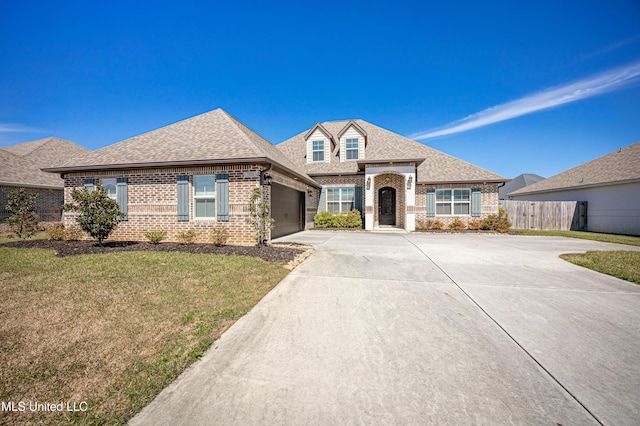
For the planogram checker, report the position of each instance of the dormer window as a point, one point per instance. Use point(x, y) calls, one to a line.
point(318, 150)
point(352, 148)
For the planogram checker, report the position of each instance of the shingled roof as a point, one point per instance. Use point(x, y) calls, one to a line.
point(620, 166)
point(384, 145)
point(518, 182)
point(21, 163)
point(212, 137)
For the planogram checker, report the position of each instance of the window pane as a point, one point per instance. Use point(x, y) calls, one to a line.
point(443, 195)
point(205, 207)
point(347, 207)
point(352, 154)
point(333, 207)
point(318, 156)
point(461, 195)
point(204, 186)
point(333, 194)
point(318, 145)
point(443, 208)
point(461, 208)
point(352, 143)
point(348, 194)
point(110, 186)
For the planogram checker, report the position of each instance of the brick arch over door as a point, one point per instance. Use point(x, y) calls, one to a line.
point(395, 181)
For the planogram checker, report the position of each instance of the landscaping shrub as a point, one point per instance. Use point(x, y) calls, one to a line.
point(499, 223)
point(23, 220)
point(98, 214)
point(187, 237)
point(474, 224)
point(155, 237)
point(326, 219)
point(54, 231)
point(421, 224)
point(434, 224)
point(457, 224)
point(72, 233)
point(220, 235)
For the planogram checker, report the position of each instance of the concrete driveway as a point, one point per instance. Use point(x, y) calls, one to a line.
point(424, 329)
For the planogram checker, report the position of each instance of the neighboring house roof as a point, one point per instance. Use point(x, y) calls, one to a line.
point(21, 163)
point(518, 182)
point(212, 137)
point(620, 166)
point(384, 146)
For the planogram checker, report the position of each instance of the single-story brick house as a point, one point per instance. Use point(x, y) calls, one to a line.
point(20, 168)
point(609, 184)
point(200, 172)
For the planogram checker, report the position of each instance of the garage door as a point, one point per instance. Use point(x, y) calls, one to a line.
point(286, 209)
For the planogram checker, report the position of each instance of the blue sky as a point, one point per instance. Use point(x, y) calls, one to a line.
point(513, 87)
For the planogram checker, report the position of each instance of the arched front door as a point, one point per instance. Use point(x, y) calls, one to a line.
point(387, 206)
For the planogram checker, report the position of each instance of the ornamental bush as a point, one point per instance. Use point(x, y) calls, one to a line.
point(457, 224)
point(23, 220)
point(326, 219)
point(98, 214)
point(187, 237)
point(155, 237)
point(499, 223)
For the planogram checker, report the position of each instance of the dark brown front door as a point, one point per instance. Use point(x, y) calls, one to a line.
point(387, 206)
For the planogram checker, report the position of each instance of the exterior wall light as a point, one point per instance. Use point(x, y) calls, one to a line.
point(310, 192)
point(267, 179)
point(369, 183)
point(409, 182)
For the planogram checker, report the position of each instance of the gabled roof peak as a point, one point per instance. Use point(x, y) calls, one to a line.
point(321, 128)
point(353, 124)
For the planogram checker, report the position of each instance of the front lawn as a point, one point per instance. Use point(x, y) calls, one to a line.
point(112, 330)
point(621, 264)
point(595, 236)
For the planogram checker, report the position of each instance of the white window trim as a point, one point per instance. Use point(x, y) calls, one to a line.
point(356, 149)
point(453, 202)
point(313, 151)
point(340, 201)
point(201, 197)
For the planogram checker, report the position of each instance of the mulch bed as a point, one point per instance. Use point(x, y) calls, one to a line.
point(274, 253)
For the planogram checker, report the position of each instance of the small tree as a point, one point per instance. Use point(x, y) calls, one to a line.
point(98, 214)
point(23, 220)
point(259, 216)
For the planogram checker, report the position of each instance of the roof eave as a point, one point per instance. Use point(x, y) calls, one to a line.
point(571, 188)
point(391, 161)
point(31, 185)
point(439, 182)
point(182, 163)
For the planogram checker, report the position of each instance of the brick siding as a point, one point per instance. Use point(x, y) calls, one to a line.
point(152, 201)
point(48, 205)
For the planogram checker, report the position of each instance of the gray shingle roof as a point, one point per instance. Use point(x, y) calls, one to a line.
point(21, 163)
point(619, 166)
point(518, 182)
point(209, 137)
point(383, 144)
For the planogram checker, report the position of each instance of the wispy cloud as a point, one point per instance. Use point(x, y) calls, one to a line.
point(608, 81)
point(16, 128)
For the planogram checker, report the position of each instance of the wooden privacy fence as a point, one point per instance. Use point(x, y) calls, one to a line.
point(546, 215)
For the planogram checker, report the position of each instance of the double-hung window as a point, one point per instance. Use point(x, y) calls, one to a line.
point(204, 196)
point(352, 148)
point(317, 148)
point(110, 186)
point(340, 200)
point(452, 202)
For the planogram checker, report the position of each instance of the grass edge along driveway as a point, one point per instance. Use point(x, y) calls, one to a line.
point(621, 264)
point(112, 330)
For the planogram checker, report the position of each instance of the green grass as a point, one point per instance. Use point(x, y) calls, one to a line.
point(113, 330)
point(595, 236)
point(14, 237)
point(621, 264)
